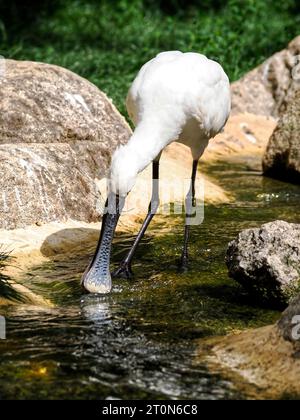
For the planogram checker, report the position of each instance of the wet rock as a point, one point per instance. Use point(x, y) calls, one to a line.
point(264, 361)
point(282, 157)
point(267, 89)
point(266, 261)
point(57, 133)
point(260, 361)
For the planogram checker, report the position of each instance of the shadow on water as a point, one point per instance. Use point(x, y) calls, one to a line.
point(141, 340)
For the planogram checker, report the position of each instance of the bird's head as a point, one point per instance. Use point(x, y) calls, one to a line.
point(123, 171)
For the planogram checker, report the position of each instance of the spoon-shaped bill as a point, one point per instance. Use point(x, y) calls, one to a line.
point(97, 278)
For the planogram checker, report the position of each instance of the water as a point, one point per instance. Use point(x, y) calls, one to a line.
point(143, 340)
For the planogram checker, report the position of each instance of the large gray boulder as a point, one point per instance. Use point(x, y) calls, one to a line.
point(282, 157)
point(57, 134)
point(266, 261)
point(267, 89)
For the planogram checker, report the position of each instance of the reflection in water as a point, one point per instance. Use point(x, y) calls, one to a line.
point(141, 340)
point(95, 309)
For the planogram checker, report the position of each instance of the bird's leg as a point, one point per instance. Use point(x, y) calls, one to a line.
point(190, 206)
point(124, 270)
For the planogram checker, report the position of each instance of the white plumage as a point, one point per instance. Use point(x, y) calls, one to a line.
point(183, 97)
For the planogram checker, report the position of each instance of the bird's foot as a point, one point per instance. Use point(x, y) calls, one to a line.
point(183, 265)
point(123, 271)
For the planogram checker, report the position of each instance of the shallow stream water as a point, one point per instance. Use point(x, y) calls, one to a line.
point(142, 340)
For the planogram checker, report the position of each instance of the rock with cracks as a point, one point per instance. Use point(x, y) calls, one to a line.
point(57, 134)
point(266, 261)
point(267, 89)
point(282, 157)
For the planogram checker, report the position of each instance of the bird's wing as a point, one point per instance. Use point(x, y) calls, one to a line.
point(146, 70)
point(211, 90)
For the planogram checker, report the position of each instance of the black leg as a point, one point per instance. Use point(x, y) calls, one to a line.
point(190, 205)
point(124, 270)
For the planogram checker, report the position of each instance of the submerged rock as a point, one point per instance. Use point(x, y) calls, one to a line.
point(282, 156)
point(57, 133)
point(266, 261)
point(266, 90)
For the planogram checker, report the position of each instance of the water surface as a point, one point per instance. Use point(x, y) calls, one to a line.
point(142, 340)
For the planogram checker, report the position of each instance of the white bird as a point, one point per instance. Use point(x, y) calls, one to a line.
point(182, 97)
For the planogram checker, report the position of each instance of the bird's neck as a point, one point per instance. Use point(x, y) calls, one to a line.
point(147, 142)
point(145, 145)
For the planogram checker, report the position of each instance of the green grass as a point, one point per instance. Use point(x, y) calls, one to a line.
point(107, 41)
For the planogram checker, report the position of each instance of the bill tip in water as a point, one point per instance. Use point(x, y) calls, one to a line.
point(98, 285)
